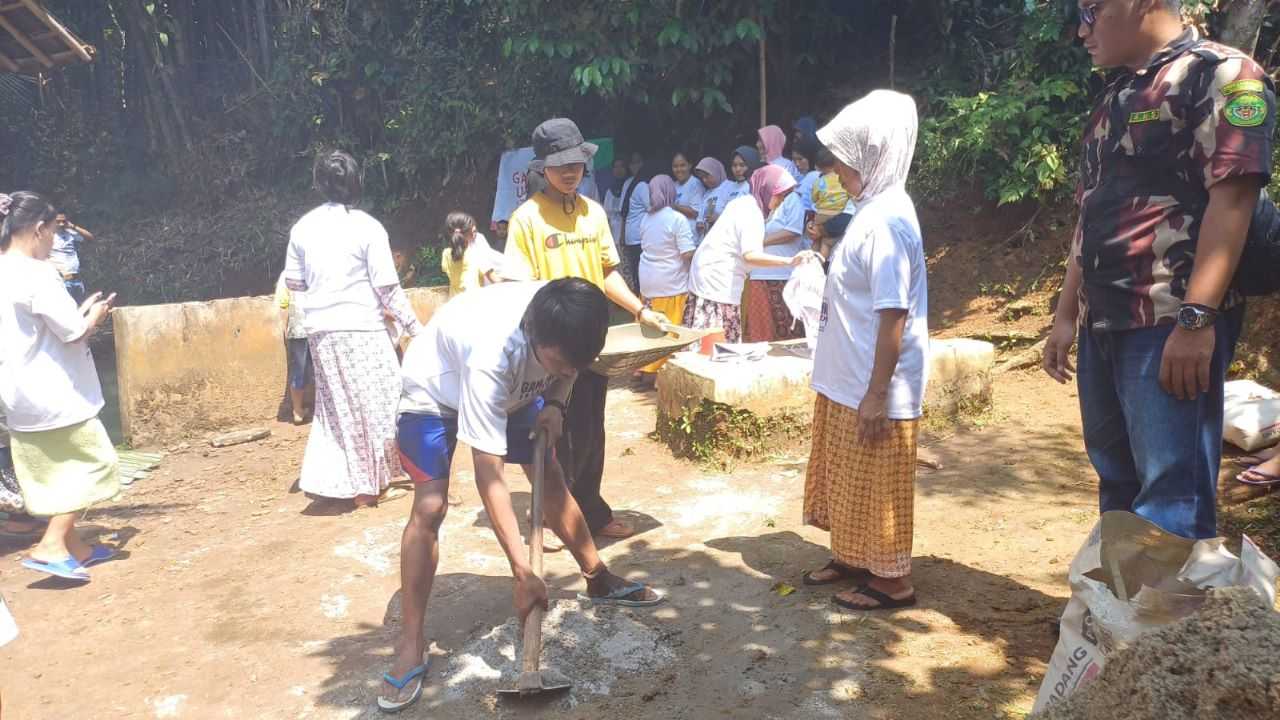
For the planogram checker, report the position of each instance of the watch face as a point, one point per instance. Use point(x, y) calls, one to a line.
point(1190, 318)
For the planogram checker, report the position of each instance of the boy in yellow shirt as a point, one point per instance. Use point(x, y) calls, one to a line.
point(556, 234)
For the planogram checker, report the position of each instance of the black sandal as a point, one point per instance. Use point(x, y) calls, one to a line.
point(843, 573)
point(885, 602)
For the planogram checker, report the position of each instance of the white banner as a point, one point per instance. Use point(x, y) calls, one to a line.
point(511, 182)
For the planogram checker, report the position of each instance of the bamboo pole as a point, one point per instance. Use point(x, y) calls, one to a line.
point(764, 79)
point(43, 16)
point(893, 43)
point(36, 52)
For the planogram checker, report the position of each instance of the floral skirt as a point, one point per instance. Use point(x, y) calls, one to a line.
point(352, 447)
point(862, 493)
point(700, 313)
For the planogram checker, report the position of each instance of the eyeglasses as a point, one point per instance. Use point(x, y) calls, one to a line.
point(1089, 13)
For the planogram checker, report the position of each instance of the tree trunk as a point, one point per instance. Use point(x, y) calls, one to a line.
point(1241, 22)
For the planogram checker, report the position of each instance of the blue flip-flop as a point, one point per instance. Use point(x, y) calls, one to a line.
point(100, 554)
point(618, 597)
point(414, 675)
point(68, 569)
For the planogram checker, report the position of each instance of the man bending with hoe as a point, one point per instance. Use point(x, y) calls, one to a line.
point(1174, 155)
point(493, 367)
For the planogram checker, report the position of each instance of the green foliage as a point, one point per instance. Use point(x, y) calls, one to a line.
point(1017, 137)
point(719, 435)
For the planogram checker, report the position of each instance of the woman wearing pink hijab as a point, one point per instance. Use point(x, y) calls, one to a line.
point(666, 247)
point(736, 241)
point(771, 141)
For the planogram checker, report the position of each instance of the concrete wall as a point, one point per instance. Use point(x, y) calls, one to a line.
point(190, 369)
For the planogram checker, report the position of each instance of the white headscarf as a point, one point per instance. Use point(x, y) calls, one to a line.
point(877, 137)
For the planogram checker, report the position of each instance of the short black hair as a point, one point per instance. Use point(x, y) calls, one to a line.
point(25, 210)
point(337, 176)
point(571, 315)
point(826, 158)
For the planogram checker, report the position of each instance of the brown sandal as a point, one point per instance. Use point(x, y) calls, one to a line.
point(843, 573)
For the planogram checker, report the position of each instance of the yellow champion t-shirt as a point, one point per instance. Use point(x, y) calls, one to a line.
point(553, 244)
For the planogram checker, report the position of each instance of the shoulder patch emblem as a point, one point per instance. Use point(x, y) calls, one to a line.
point(1144, 116)
point(1242, 86)
point(1246, 110)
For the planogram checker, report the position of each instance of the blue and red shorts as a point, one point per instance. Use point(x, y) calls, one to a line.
point(427, 442)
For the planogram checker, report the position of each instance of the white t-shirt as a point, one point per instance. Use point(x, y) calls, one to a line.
point(788, 216)
point(663, 273)
point(613, 208)
point(805, 191)
point(879, 265)
point(46, 381)
point(786, 164)
point(473, 362)
point(341, 255)
point(637, 208)
point(719, 271)
point(691, 195)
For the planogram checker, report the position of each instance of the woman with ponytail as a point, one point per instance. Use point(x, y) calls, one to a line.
point(339, 257)
point(467, 260)
point(62, 456)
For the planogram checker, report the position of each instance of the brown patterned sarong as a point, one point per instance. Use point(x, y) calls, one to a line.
point(863, 494)
point(767, 317)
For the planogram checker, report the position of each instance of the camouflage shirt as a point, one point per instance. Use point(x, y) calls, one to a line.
point(1158, 139)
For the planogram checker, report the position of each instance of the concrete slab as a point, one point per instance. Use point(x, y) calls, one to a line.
point(190, 368)
point(960, 372)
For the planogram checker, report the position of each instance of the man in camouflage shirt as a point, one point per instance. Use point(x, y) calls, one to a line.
point(1174, 155)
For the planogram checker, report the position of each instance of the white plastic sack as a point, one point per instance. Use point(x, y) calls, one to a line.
point(803, 297)
point(1131, 577)
point(1252, 419)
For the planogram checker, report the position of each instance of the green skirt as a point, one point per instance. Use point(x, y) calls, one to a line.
point(65, 470)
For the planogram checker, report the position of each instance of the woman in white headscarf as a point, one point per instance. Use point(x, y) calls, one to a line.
point(869, 365)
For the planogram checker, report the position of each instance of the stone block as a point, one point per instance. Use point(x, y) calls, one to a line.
point(777, 383)
point(960, 372)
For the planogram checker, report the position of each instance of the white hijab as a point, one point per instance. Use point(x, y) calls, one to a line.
point(877, 137)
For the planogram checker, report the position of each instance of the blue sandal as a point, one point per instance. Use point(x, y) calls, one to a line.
point(415, 674)
point(100, 554)
point(67, 569)
point(619, 597)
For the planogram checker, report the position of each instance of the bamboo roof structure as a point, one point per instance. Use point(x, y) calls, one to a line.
point(34, 42)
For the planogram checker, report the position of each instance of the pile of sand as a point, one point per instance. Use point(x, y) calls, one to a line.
point(1221, 663)
point(593, 646)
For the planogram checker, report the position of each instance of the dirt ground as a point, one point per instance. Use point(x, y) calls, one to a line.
point(232, 601)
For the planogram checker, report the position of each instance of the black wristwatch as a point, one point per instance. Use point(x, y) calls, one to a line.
point(1193, 316)
point(555, 404)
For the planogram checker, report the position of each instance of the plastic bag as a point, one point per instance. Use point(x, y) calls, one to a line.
point(8, 627)
point(803, 297)
point(1252, 417)
point(1131, 577)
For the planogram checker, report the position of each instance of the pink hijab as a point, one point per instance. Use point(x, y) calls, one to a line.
point(774, 141)
point(713, 168)
point(767, 182)
point(662, 192)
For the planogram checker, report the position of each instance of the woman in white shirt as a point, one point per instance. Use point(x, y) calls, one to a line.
point(689, 190)
point(869, 365)
point(805, 157)
point(62, 456)
point(710, 172)
point(635, 206)
point(341, 259)
point(719, 267)
point(767, 317)
point(668, 247)
point(771, 141)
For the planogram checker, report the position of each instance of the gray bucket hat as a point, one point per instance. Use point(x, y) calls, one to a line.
point(558, 142)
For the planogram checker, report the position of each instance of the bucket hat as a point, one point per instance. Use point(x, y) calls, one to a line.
point(558, 142)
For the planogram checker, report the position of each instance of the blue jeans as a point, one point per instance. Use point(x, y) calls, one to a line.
point(1156, 456)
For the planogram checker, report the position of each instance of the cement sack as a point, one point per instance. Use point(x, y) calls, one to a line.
point(1252, 420)
point(1132, 577)
point(803, 297)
